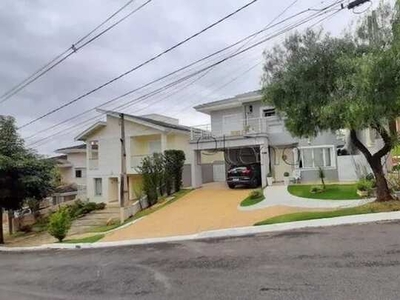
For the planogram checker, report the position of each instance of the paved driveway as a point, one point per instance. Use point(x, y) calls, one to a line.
point(214, 206)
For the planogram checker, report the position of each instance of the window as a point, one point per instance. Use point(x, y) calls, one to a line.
point(268, 112)
point(315, 157)
point(78, 173)
point(98, 187)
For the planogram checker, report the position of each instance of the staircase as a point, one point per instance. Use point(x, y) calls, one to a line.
point(95, 218)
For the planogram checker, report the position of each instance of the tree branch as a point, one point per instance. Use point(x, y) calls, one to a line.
point(360, 145)
point(386, 139)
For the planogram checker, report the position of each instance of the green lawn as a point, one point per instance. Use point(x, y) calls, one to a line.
point(374, 207)
point(251, 201)
point(332, 192)
point(89, 239)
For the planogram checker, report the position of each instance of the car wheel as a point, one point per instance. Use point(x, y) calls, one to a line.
point(231, 186)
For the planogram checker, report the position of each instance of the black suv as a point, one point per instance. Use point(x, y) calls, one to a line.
point(247, 175)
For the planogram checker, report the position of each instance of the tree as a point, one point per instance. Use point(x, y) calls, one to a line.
point(174, 162)
point(59, 223)
point(324, 83)
point(23, 174)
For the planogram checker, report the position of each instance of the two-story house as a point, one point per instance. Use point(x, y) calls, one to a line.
point(144, 135)
point(247, 130)
point(72, 165)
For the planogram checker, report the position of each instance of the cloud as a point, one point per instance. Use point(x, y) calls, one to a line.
point(33, 32)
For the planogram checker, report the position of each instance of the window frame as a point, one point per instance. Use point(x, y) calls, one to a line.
point(323, 147)
point(96, 193)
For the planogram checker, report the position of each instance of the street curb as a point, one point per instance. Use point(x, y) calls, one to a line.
point(223, 233)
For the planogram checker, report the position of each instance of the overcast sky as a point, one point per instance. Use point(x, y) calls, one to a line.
point(32, 32)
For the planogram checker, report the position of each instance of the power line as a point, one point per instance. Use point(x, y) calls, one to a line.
point(70, 51)
point(290, 27)
point(178, 70)
point(141, 64)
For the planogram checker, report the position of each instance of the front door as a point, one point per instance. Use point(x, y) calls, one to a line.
point(281, 162)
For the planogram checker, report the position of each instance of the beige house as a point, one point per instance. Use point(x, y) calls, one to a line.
point(144, 135)
point(72, 165)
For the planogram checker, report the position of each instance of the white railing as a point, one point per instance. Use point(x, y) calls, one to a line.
point(240, 128)
point(93, 164)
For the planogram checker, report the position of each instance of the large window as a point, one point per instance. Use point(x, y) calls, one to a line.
point(314, 157)
point(98, 187)
point(268, 112)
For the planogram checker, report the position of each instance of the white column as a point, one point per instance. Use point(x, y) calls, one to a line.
point(264, 160)
point(163, 142)
point(196, 169)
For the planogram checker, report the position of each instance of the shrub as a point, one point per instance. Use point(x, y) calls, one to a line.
point(100, 206)
point(59, 224)
point(370, 177)
point(174, 162)
point(26, 228)
point(394, 181)
point(286, 174)
point(364, 185)
point(255, 194)
point(316, 189)
point(90, 206)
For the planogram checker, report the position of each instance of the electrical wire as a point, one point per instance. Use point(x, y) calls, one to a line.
point(70, 51)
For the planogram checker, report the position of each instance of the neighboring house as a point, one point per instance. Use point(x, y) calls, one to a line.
point(246, 130)
point(72, 165)
point(144, 136)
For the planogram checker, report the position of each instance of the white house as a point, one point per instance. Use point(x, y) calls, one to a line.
point(248, 131)
point(144, 135)
point(72, 165)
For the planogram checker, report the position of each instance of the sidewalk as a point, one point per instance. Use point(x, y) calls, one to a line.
point(279, 195)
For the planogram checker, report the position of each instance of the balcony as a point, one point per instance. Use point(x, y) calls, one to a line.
point(243, 127)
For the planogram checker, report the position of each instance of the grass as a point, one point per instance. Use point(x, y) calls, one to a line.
point(160, 204)
point(251, 201)
point(89, 239)
point(332, 192)
point(369, 208)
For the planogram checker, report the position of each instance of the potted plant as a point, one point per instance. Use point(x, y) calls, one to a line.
point(286, 178)
point(270, 179)
point(364, 188)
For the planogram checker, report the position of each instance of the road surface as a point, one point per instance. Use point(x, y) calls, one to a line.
point(344, 262)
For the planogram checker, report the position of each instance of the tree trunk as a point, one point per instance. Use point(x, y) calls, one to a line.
point(10, 221)
point(382, 189)
point(1, 226)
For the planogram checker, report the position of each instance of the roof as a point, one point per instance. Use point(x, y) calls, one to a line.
point(235, 101)
point(133, 118)
point(74, 149)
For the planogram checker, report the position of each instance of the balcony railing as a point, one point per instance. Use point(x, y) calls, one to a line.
point(240, 127)
point(136, 160)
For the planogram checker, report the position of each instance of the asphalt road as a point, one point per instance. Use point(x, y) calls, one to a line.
point(345, 262)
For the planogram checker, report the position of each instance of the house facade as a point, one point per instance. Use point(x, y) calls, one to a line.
point(247, 130)
point(72, 165)
point(144, 135)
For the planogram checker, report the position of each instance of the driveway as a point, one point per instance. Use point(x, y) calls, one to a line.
point(214, 206)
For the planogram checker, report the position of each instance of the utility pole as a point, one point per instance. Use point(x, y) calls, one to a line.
point(123, 178)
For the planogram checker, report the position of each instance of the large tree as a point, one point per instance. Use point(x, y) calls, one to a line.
point(325, 83)
point(23, 174)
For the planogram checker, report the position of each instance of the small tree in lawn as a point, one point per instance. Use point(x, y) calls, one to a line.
point(321, 175)
point(324, 83)
point(150, 179)
point(59, 224)
point(174, 162)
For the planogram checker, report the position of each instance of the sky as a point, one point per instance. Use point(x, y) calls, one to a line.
point(34, 32)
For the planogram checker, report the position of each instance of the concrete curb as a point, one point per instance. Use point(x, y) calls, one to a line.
point(223, 233)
